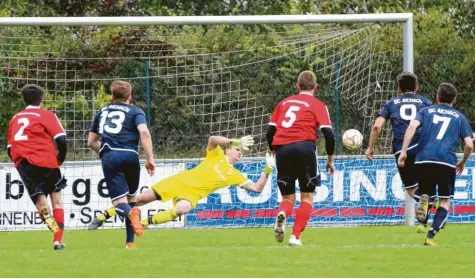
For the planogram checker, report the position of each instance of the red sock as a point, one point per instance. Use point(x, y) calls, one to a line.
point(302, 217)
point(286, 206)
point(58, 215)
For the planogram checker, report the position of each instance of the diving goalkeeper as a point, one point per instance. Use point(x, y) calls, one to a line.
point(188, 187)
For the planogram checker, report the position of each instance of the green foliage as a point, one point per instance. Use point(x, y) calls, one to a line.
point(443, 47)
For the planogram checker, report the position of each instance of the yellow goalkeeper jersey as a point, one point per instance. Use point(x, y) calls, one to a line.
point(213, 173)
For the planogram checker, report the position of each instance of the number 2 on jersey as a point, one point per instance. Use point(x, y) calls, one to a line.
point(19, 136)
point(291, 115)
point(446, 122)
point(116, 117)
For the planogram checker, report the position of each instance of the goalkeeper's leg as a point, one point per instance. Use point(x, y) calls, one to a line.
point(181, 207)
point(101, 218)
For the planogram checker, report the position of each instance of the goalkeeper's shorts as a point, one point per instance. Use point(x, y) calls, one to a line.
point(173, 188)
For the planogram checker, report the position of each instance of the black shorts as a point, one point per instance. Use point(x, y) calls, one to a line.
point(408, 174)
point(297, 161)
point(40, 180)
point(431, 175)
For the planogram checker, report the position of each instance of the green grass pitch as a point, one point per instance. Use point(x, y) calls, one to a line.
point(386, 251)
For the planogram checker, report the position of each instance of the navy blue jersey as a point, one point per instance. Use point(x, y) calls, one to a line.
point(117, 124)
point(401, 110)
point(441, 129)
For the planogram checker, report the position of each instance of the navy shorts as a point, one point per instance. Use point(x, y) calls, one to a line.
point(297, 160)
point(40, 180)
point(122, 172)
point(432, 175)
point(409, 173)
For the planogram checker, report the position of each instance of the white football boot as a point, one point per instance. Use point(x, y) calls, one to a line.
point(293, 241)
point(279, 226)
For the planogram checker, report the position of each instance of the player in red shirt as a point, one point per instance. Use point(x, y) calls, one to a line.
point(31, 148)
point(292, 136)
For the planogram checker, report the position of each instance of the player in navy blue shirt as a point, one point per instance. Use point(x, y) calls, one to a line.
point(401, 110)
point(442, 127)
point(119, 126)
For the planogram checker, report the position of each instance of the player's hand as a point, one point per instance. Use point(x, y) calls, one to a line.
point(270, 164)
point(369, 153)
point(270, 160)
point(150, 166)
point(459, 167)
point(244, 143)
point(402, 158)
point(330, 167)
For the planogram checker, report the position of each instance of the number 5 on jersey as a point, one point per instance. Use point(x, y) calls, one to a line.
point(291, 116)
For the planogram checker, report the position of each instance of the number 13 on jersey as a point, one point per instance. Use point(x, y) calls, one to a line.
point(115, 117)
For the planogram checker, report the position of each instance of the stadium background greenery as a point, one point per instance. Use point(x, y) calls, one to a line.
point(444, 51)
point(443, 48)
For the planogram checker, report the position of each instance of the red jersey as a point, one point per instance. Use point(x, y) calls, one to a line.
point(30, 134)
point(297, 117)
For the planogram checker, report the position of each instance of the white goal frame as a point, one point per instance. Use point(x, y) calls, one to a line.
point(405, 18)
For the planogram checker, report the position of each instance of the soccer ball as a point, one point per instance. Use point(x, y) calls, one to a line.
point(352, 139)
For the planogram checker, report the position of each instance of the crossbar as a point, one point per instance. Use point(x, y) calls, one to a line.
point(182, 20)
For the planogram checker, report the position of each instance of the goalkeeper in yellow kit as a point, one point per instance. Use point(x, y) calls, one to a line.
point(188, 187)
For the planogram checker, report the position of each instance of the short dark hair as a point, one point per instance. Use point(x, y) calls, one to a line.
point(121, 90)
point(407, 82)
point(32, 94)
point(307, 80)
point(447, 93)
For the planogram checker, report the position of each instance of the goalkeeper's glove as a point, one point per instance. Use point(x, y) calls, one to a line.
point(270, 164)
point(244, 143)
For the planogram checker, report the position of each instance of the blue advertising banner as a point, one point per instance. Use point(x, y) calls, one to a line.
point(359, 193)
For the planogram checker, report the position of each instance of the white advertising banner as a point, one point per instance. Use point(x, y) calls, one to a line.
point(84, 198)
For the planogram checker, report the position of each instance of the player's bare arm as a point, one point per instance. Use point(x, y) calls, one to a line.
point(93, 142)
point(258, 186)
point(146, 141)
point(214, 141)
point(374, 133)
point(468, 149)
point(244, 143)
point(406, 141)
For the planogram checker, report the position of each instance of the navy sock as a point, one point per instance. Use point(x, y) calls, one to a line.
point(123, 210)
point(129, 229)
point(416, 195)
point(427, 217)
point(438, 220)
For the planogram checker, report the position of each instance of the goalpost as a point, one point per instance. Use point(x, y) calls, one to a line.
point(197, 76)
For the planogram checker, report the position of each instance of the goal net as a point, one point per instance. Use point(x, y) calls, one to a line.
point(194, 81)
